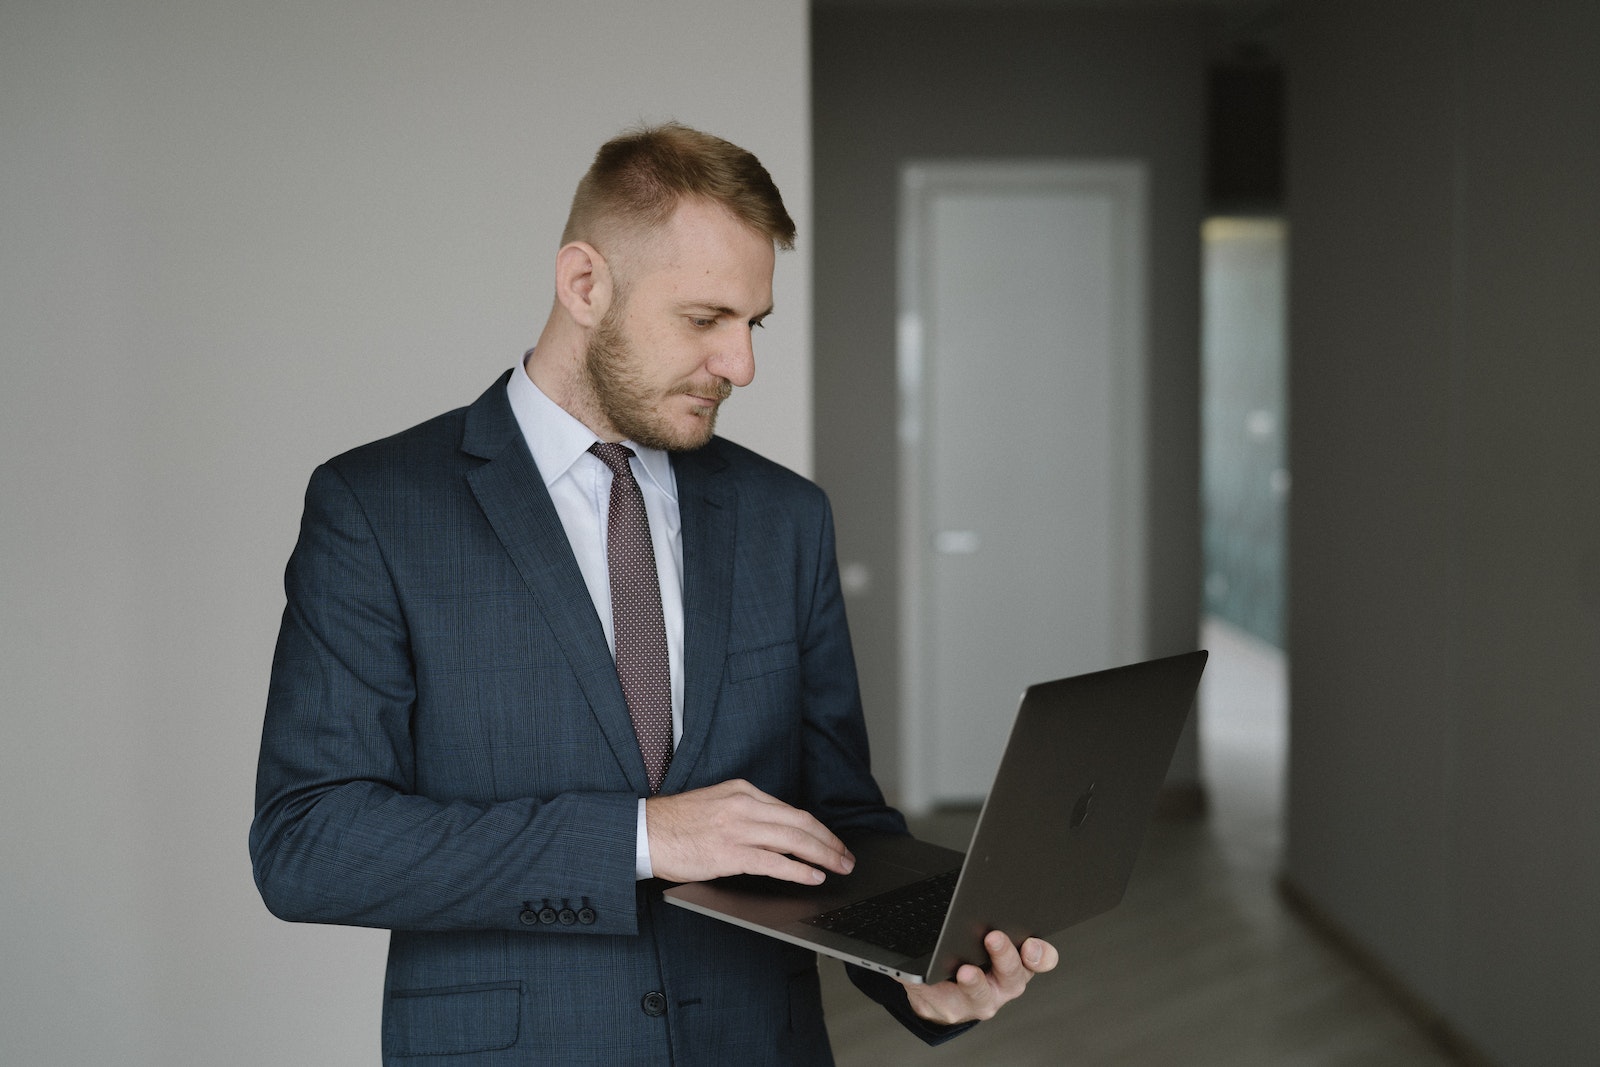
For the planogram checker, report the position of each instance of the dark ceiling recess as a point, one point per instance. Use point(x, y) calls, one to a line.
point(1244, 145)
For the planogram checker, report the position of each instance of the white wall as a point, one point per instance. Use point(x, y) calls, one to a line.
point(1445, 522)
point(236, 238)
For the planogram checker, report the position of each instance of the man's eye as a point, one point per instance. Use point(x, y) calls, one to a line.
point(702, 323)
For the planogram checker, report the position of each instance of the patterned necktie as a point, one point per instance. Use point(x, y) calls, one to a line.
point(640, 635)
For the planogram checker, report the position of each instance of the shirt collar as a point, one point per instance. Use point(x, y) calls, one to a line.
point(557, 440)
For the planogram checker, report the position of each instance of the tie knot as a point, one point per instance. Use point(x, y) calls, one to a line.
point(612, 455)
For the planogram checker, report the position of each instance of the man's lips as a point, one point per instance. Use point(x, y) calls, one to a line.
point(709, 395)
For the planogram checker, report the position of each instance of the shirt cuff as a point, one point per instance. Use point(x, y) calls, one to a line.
point(641, 848)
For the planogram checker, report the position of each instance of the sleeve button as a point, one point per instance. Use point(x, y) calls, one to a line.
point(586, 916)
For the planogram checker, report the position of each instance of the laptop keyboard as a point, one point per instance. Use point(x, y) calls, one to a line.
point(905, 920)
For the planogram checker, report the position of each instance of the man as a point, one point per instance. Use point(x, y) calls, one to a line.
point(524, 673)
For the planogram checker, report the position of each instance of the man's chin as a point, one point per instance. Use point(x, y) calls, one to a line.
point(682, 436)
point(699, 435)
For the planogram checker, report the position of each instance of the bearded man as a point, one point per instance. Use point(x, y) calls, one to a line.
point(544, 653)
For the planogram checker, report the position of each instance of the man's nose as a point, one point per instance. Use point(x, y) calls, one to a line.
point(735, 359)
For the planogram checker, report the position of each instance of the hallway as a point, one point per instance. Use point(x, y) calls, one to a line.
point(1202, 965)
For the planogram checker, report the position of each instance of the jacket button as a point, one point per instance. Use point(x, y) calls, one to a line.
point(586, 916)
point(527, 916)
point(547, 915)
point(654, 1004)
point(568, 916)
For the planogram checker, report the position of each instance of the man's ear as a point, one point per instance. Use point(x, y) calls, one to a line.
point(584, 284)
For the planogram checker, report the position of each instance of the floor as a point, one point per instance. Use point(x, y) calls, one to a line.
point(1201, 965)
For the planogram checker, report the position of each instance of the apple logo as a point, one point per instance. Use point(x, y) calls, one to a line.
point(1080, 811)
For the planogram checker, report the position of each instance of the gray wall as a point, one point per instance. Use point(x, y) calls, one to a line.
point(1445, 518)
point(236, 238)
point(898, 84)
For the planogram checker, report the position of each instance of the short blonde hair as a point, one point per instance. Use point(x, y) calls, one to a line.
point(638, 178)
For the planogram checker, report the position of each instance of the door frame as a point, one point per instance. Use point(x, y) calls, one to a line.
point(921, 182)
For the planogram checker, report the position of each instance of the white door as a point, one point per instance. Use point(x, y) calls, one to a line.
point(1022, 430)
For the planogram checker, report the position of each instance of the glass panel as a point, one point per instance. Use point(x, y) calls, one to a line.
point(1244, 472)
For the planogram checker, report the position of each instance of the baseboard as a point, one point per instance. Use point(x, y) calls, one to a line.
point(1446, 1037)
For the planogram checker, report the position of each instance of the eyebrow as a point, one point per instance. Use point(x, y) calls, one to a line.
point(722, 311)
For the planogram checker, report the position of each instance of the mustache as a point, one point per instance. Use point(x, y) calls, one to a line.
point(718, 389)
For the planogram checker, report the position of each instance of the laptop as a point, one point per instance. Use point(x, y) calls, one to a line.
point(1054, 844)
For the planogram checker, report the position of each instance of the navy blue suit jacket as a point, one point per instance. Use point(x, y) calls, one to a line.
point(447, 753)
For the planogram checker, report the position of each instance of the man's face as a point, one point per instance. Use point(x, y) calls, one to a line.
point(676, 338)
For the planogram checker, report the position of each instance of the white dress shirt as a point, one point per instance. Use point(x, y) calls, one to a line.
point(580, 487)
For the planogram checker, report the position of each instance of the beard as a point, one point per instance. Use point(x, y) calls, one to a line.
point(628, 400)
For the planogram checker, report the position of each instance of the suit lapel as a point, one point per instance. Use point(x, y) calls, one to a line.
point(511, 492)
point(707, 512)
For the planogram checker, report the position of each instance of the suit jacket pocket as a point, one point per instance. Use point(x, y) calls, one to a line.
point(742, 666)
point(452, 1020)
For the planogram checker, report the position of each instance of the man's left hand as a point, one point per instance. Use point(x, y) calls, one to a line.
point(976, 993)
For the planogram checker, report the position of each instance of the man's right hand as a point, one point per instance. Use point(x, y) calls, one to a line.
point(735, 828)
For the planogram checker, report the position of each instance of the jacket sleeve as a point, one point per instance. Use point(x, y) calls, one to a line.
point(342, 833)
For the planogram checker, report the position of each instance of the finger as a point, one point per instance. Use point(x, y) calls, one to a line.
point(967, 995)
point(762, 832)
point(978, 990)
point(823, 850)
point(1005, 963)
point(778, 827)
point(774, 865)
point(1039, 955)
point(788, 832)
